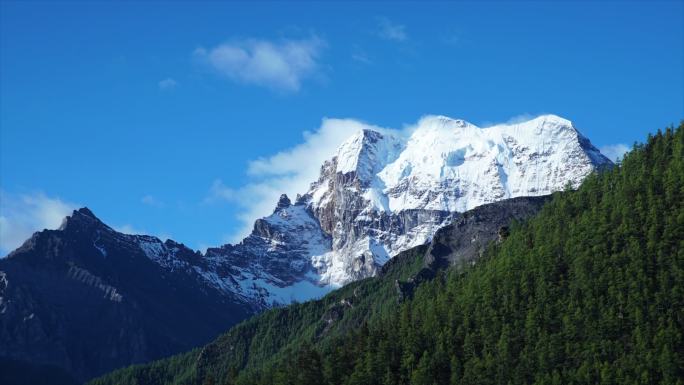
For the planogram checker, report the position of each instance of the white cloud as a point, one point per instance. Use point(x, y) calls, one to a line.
point(151, 201)
point(391, 31)
point(129, 229)
point(614, 152)
point(281, 65)
point(132, 230)
point(22, 215)
point(167, 84)
point(289, 171)
point(521, 118)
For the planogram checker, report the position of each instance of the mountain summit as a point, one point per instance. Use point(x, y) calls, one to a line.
point(381, 194)
point(378, 195)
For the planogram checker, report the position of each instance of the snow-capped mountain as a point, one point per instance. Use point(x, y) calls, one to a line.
point(381, 194)
point(378, 195)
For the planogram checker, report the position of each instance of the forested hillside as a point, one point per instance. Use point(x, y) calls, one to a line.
point(588, 291)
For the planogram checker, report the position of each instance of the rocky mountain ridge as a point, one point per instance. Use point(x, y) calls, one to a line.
point(378, 195)
point(88, 299)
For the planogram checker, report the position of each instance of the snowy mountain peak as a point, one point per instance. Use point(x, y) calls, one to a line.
point(364, 152)
point(552, 119)
point(445, 166)
point(437, 123)
point(542, 128)
point(379, 194)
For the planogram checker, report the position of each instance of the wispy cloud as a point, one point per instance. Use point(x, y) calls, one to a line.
point(167, 84)
point(614, 152)
point(289, 171)
point(127, 228)
point(23, 214)
point(516, 119)
point(525, 117)
point(151, 201)
point(281, 65)
point(292, 170)
point(389, 30)
point(361, 57)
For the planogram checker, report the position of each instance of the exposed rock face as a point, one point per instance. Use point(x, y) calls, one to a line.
point(283, 203)
point(464, 240)
point(88, 299)
point(273, 265)
point(381, 194)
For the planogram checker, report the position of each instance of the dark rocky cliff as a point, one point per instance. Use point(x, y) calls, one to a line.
point(87, 299)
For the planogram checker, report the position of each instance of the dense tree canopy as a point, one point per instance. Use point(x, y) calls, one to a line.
point(589, 291)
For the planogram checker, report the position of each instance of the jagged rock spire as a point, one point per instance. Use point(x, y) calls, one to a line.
point(82, 218)
point(283, 203)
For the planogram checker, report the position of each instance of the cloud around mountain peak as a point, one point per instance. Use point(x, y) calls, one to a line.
point(292, 170)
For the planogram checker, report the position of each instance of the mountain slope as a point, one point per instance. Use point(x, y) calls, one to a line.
point(588, 291)
point(88, 299)
point(274, 333)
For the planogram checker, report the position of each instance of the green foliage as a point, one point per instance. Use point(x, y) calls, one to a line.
point(270, 339)
point(176, 370)
point(588, 291)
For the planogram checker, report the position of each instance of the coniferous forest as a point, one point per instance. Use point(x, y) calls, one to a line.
point(589, 291)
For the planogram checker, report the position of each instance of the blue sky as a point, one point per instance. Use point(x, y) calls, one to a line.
point(153, 114)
